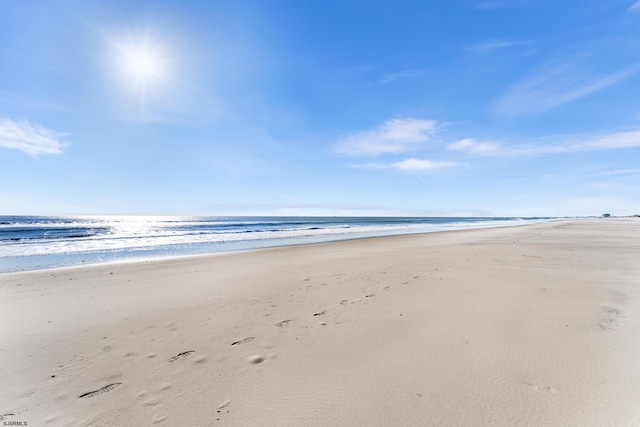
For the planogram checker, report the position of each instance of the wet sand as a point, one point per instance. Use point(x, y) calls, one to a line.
point(520, 326)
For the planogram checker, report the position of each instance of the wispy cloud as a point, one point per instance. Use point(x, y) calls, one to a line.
point(473, 146)
point(31, 139)
point(409, 165)
point(554, 87)
point(393, 136)
point(421, 165)
point(570, 144)
point(618, 172)
point(389, 77)
point(635, 7)
point(493, 45)
point(503, 4)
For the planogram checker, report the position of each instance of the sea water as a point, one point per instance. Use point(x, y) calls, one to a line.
point(37, 242)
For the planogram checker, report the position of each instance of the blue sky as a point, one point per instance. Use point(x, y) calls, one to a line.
point(351, 107)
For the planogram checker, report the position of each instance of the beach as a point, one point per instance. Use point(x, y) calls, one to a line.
point(518, 326)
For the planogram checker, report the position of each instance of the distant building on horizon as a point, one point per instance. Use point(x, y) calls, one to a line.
point(606, 215)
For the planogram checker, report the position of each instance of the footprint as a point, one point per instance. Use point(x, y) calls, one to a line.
point(151, 402)
point(224, 405)
point(100, 391)
point(370, 296)
point(344, 301)
point(183, 354)
point(244, 341)
point(256, 359)
point(322, 313)
point(386, 288)
point(159, 418)
point(608, 319)
point(283, 323)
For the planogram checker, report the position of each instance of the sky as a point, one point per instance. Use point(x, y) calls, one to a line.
point(337, 107)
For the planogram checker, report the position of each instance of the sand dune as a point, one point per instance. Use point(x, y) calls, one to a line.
point(523, 326)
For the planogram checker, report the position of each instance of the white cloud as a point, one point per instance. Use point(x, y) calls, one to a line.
point(393, 136)
point(421, 165)
point(553, 87)
point(472, 146)
point(568, 144)
point(615, 140)
point(408, 165)
point(31, 139)
point(635, 7)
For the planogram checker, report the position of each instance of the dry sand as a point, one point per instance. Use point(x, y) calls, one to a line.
point(526, 326)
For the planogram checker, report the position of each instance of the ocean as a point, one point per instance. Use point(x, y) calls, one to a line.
point(39, 242)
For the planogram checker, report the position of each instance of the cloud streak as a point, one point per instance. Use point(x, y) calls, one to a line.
point(493, 45)
point(473, 146)
point(635, 7)
point(554, 87)
point(393, 136)
point(31, 139)
point(421, 165)
point(572, 144)
point(389, 77)
point(411, 165)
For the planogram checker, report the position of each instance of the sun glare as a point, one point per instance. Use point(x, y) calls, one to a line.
point(142, 67)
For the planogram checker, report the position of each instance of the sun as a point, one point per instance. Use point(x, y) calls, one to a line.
point(142, 66)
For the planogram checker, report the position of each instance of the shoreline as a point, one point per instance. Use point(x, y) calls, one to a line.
point(332, 239)
point(508, 326)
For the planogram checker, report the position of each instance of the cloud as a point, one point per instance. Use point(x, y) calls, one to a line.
point(635, 7)
point(389, 77)
point(31, 139)
point(618, 172)
point(554, 87)
point(393, 136)
point(615, 140)
point(409, 165)
point(472, 146)
point(492, 45)
point(569, 144)
point(421, 165)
